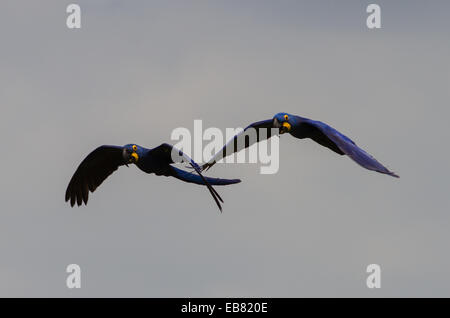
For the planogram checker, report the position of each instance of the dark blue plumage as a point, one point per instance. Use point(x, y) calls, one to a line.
point(301, 128)
point(104, 160)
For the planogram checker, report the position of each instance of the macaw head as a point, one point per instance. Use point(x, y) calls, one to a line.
point(132, 152)
point(281, 120)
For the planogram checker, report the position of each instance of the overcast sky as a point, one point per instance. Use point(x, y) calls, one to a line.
point(138, 69)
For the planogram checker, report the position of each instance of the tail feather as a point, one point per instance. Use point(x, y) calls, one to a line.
point(192, 177)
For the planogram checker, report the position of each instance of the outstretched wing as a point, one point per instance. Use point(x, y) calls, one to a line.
point(243, 140)
point(172, 155)
point(333, 139)
point(92, 171)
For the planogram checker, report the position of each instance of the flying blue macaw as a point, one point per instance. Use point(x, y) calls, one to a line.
point(104, 160)
point(301, 128)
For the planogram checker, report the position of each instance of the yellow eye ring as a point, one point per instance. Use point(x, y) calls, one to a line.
point(134, 147)
point(286, 117)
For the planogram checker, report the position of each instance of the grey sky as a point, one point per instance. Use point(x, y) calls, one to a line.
point(136, 70)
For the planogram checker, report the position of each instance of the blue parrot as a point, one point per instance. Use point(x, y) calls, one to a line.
point(301, 128)
point(104, 160)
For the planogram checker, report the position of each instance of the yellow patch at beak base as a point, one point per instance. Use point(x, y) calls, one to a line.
point(287, 126)
point(135, 156)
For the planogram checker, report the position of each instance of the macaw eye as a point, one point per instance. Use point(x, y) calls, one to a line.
point(134, 147)
point(286, 117)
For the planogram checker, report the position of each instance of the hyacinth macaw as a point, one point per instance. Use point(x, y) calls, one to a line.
point(104, 160)
point(301, 128)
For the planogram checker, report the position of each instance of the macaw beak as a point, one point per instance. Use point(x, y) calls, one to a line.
point(134, 157)
point(285, 127)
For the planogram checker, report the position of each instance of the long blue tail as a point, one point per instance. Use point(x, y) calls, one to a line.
point(193, 177)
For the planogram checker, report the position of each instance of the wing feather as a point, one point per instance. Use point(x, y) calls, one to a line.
point(92, 171)
point(348, 147)
point(242, 141)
